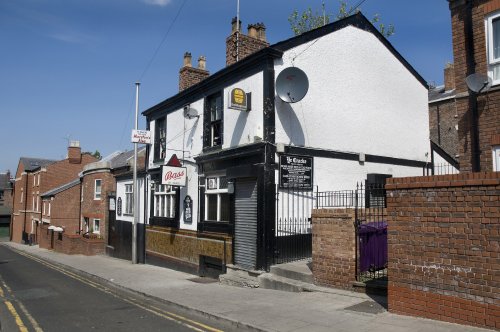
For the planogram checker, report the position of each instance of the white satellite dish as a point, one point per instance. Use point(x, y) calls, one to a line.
point(292, 85)
point(478, 82)
point(190, 112)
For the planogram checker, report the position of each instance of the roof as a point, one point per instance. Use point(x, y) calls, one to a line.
point(229, 73)
point(31, 164)
point(114, 160)
point(439, 93)
point(62, 188)
point(5, 182)
point(124, 158)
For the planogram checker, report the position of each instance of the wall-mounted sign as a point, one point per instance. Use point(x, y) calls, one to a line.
point(112, 205)
point(174, 176)
point(188, 210)
point(119, 206)
point(296, 172)
point(239, 100)
point(141, 136)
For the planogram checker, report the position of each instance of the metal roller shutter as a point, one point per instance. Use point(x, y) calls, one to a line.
point(245, 226)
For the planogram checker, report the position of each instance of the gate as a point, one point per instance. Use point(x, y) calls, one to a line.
point(370, 226)
point(293, 233)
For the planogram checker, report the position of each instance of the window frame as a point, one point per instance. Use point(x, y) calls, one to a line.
point(97, 194)
point(165, 201)
point(219, 192)
point(94, 231)
point(160, 143)
point(129, 199)
point(213, 117)
point(492, 62)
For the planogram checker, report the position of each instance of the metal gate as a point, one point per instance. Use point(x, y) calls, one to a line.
point(293, 232)
point(245, 223)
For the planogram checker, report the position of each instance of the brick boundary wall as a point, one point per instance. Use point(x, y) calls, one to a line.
point(75, 244)
point(334, 247)
point(443, 247)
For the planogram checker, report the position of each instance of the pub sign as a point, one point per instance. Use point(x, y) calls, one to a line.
point(296, 172)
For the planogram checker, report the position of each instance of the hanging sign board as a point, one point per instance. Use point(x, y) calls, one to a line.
point(141, 136)
point(174, 176)
point(239, 100)
point(296, 172)
point(119, 206)
point(188, 210)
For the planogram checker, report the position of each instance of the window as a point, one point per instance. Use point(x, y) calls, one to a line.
point(43, 207)
point(493, 42)
point(48, 213)
point(496, 158)
point(97, 189)
point(216, 199)
point(96, 226)
point(34, 180)
point(164, 201)
point(1, 194)
point(160, 139)
point(33, 202)
point(38, 180)
point(213, 121)
point(81, 194)
point(129, 199)
point(22, 195)
point(85, 226)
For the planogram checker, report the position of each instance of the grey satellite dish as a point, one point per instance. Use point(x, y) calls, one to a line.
point(292, 85)
point(478, 82)
point(190, 112)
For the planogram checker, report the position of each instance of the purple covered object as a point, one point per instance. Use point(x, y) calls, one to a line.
point(372, 246)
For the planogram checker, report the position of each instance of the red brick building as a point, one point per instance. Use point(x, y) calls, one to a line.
point(35, 177)
point(464, 123)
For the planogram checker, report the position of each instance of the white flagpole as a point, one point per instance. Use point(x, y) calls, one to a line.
point(136, 187)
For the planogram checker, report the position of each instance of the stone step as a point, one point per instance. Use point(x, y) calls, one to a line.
point(236, 276)
point(299, 271)
point(272, 281)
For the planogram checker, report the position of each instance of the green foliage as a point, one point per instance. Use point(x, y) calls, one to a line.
point(97, 155)
point(309, 20)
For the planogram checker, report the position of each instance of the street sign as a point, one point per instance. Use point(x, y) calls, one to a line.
point(141, 136)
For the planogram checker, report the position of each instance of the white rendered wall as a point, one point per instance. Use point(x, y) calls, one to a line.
point(120, 193)
point(240, 127)
point(441, 166)
point(360, 99)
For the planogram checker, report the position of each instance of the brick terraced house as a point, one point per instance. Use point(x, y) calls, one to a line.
point(464, 123)
point(35, 177)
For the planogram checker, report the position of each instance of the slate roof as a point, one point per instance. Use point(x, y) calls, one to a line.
point(31, 164)
point(438, 93)
point(62, 188)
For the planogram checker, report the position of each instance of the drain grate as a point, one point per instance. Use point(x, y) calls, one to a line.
point(369, 307)
point(203, 280)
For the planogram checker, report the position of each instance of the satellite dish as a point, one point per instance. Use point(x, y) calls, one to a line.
point(190, 112)
point(292, 85)
point(478, 82)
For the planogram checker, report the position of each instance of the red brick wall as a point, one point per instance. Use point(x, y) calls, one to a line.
point(72, 244)
point(444, 247)
point(44, 236)
point(446, 134)
point(97, 209)
point(333, 247)
point(65, 210)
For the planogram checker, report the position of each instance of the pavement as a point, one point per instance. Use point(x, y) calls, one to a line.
point(253, 308)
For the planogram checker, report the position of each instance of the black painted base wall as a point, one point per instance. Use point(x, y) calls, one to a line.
point(120, 239)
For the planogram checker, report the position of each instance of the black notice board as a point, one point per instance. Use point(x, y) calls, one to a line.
point(296, 172)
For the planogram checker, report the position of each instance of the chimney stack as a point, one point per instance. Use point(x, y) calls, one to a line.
point(239, 45)
point(449, 77)
point(74, 152)
point(189, 76)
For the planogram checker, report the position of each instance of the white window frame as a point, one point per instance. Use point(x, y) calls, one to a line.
point(22, 194)
point(38, 179)
point(98, 231)
point(492, 62)
point(97, 194)
point(43, 204)
point(165, 199)
point(213, 187)
point(496, 162)
point(129, 199)
point(48, 213)
point(34, 180)
point(33, 202)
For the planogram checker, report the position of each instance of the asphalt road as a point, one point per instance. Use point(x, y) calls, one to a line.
point(39, 296)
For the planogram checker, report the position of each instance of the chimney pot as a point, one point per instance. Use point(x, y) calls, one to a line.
point(187, 60)
point(202, 62)
point(252, 31)
point(235, 28)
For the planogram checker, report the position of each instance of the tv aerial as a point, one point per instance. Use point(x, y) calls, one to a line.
point(292, 85)
point(478, 82)
point(190, 112)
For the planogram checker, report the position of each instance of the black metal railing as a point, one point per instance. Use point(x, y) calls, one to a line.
point(443, 169)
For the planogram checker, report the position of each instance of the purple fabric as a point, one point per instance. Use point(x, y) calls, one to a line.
point(372, 246)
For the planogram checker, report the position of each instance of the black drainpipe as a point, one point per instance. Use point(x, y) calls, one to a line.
point(471, 69)
point(25, 206)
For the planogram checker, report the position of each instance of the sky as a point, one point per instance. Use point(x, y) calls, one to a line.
point(68, 67)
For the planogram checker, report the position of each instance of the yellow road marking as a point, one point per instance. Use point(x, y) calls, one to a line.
point(22, 307)
point(157, 311)
point(13, 312)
